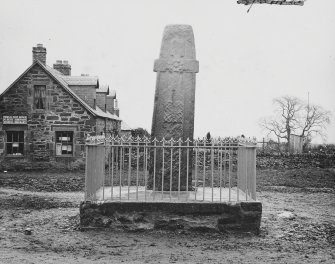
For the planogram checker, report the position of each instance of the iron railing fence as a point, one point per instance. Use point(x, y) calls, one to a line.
point(138, 169)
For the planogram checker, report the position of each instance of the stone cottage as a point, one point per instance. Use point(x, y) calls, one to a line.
point(47, 113)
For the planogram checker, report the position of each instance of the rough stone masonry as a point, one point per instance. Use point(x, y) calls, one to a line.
point(173, 115)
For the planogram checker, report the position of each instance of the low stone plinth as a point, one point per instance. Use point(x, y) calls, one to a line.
point(196, 216)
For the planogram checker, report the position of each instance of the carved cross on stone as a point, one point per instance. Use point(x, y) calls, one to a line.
point(175, 88)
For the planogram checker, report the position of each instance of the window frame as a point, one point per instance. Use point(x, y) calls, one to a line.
point(59, 141)
point(20, 141)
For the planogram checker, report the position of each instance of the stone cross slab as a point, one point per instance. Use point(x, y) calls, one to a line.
point(173, 115)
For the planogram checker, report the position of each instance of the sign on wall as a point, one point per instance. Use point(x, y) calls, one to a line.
point(14, 120)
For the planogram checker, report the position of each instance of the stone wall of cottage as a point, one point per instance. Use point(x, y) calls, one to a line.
point(100, 126)
point(113, 127)
point(62, 110)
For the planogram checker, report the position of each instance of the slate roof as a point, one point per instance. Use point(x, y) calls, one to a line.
point(104, 88)
point(81, 80)
point(107, 114)
point(59, 77)
point(75, 80)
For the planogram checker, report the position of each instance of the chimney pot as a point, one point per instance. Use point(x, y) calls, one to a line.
point(63, 66)
point(39, 45)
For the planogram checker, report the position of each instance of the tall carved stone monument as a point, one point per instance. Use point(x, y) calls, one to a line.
point(173, 115)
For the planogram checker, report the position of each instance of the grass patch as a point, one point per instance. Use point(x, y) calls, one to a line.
point(38, 181)
point(75, 181)
point(298, 178)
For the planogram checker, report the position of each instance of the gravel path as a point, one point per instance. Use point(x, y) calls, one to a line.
point(297, 227)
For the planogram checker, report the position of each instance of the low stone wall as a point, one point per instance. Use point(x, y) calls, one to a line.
point(214, 217)
point(296, 161)
point(61, 164)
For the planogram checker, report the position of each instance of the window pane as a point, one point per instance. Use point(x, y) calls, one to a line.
point(21, 136)
point(21, 147)
point(9, 148)
point(9, 136)
point(39, 96)
point(64, 149)
point(15, 136)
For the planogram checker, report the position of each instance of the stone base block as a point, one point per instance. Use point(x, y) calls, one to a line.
point(213, 217)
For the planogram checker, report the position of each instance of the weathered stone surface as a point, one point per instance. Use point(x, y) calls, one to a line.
point(173, 115)
point(175, 88)
point(194, 217)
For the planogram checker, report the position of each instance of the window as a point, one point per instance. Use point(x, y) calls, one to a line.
point(64, 143)
point(15, 142)
point(39, 97)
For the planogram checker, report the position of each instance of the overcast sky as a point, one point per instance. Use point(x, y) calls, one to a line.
point(246, 59)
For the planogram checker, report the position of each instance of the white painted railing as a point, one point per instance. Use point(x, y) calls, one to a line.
point(135, 169)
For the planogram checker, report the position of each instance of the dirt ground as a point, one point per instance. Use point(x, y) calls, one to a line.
point(298, 226)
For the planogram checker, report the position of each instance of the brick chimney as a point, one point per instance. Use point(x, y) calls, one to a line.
point(39, 53)
point(63, 67)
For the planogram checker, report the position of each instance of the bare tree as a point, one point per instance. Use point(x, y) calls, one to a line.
point(292, 116)
point(284, 121)
point(314, 122)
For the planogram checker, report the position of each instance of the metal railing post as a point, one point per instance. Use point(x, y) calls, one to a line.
point(163, 154)
point(204, 172)
point(171, 158)
point(196, 170)
point(179, 165)
point(121, 167)
point(112, 176)
point(137, 165)
point(154, 180)
point(187, 165)
point(212, 167)
point(220, 170)
point(229, 169)
point(129, 169)
point(86, 173)
point(146, 169)
point(246, 173)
